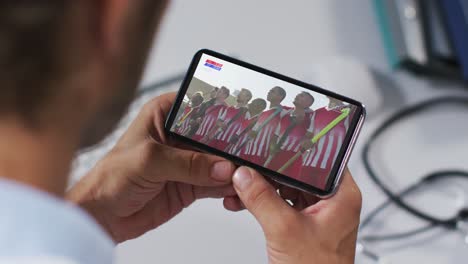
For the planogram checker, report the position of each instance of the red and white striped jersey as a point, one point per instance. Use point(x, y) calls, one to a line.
point(324, 154)
point(228, 114)
point(294, 138)
point(247, 121)
point(291, 134)
point(212, 114)
point(260, 145)
point(184, 120)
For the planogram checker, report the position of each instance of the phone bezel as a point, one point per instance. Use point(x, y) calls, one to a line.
point(342, 158)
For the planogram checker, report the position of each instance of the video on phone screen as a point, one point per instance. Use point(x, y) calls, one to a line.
point(275, 124)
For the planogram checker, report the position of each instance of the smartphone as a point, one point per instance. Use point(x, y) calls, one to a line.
point(296, 133)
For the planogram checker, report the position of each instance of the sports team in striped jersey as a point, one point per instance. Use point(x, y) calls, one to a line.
point(270, 134)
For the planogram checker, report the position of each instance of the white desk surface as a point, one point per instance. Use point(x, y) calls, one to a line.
point(288, 37)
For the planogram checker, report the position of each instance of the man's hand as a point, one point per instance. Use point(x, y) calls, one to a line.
point(253, 134)
point(146, 180)
point(309, 231)
point(221, 125)
point(307, 144)
point(234, 139)
point(274, 148)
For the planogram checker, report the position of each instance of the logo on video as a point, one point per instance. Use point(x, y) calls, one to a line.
point(214, 65)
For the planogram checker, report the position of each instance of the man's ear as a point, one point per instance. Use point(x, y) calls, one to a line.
point(111, 17)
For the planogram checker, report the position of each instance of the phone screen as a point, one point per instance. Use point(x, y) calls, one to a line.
point(283, 127)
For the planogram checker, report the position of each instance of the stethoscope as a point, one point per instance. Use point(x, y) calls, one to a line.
point(457, 222)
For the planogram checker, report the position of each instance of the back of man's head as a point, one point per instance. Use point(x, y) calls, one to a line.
point(57, 57)
point(29, 42)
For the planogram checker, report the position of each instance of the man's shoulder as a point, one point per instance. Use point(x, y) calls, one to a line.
point(39, 224)
point(321, 109)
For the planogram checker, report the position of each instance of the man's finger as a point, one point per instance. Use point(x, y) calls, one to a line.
point(173, 164)
point(340, 209)
point(233, 203)
point(261, 199)
point(202, 192)
point(150, 121)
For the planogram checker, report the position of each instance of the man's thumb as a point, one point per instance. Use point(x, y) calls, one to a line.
point(261, 199)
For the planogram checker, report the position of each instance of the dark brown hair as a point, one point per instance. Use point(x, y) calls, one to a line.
point(29, 39)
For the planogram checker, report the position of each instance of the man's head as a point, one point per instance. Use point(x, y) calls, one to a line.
point(196, 99)
point(222, 94)
point(257, 106)
point(213, 93)
point(303, 100)
point(276, 95)
point(73, 65)
point(244, 96)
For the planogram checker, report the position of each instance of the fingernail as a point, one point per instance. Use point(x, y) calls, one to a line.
point(242, 178)
point(221, 171)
